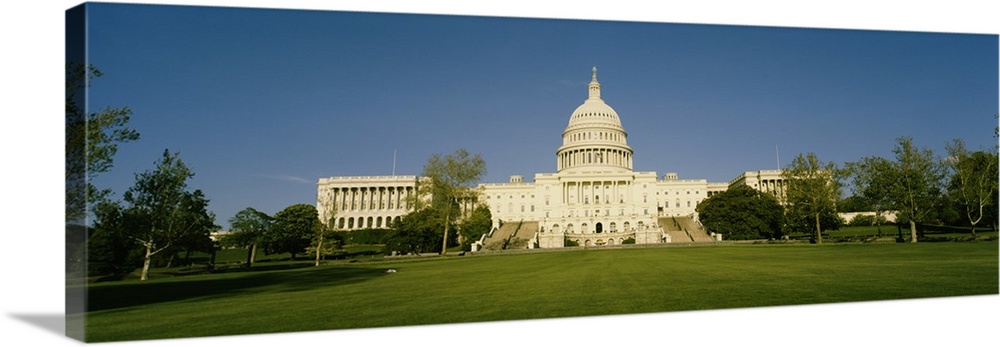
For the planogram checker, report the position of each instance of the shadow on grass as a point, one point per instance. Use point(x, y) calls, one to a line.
point(253, 280)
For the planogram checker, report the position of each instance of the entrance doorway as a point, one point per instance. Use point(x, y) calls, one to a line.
point(599, 227)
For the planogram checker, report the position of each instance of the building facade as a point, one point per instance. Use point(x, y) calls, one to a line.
point(365, 202)
point(594, 197)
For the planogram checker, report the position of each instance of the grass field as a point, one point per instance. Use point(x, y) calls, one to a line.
point(533, 285)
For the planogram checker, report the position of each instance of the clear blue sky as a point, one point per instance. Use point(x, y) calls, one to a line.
point(263, 103)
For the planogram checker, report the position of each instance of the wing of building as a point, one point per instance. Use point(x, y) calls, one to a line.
point(594, 197)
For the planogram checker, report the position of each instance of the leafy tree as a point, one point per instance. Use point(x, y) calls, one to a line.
point(325, 240)
point(249, 227)
point(196, 242)
point(473, 227)
point(110, 251)
point(872, 179)
point(973, 180)
point(417, 232)
point(742, 213)
point(916, 185)
point(854, 203)
point(161, 210)
point(451, 179)
point(812, 190)
point(797, 221)
point(293, 230)
point(91, 141)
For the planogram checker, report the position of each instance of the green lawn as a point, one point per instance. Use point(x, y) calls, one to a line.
point(531, 285)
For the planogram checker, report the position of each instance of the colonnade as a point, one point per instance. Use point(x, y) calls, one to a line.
point(370, 198)
point(773, 186)
point(597, 192)
point(598, 156)
point(365, 202)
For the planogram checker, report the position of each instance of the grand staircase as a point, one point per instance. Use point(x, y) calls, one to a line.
point(684, 230)
point(510, 231)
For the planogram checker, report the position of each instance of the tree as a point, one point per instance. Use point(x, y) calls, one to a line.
point(812, 189)
point(872, 178)
point(110, 251)
point(249, 227)
point(293, 230)
point(417, 232)
point(742, 213)
point(196, 241)
point(163, 212)
point(916, 186)
point(326, 240)
point(473, 227)
point(451, 179)
point(91, 141)
point(973, 180)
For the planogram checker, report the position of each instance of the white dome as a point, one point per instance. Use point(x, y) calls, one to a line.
point(594, 112)
point(594, 137)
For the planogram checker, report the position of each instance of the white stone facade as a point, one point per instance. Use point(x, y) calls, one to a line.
point(361, 202)
point(594, 197)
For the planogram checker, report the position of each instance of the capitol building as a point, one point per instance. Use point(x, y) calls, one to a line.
point(594, 198)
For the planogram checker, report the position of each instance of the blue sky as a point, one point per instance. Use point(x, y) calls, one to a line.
point(262, 103)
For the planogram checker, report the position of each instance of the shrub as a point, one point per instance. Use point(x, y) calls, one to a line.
point(571, 243)
point(867, 220)
point(517, 243)
point(629, 241)
point(366, 236)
